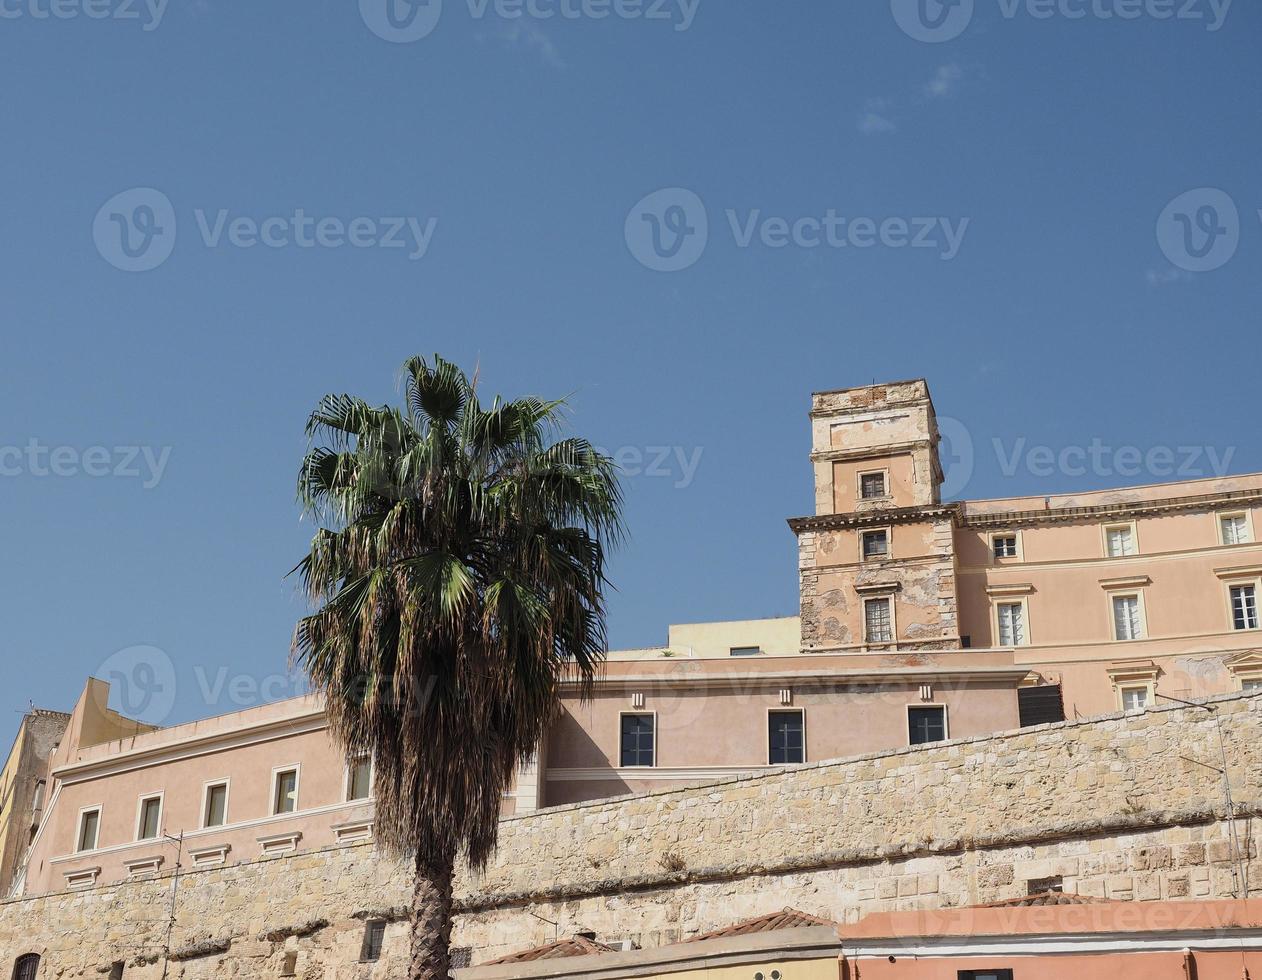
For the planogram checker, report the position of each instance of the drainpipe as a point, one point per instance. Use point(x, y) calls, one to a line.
point(1189, 965)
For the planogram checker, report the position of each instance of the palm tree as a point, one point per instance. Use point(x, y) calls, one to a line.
point(457, 578)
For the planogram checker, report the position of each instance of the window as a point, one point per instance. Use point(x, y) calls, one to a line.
point(786, 738)
point(116, 970)
point(359, 778)
point(26, 967)
point(285, 791)
point(877, 621)
point(1119, 540)
point(89, 829)
point(149, 819)
point(1244, 607)
point(37, 803)
point(876, 545)
point(984, 974)
point(1128, 620)
point(745, 651)
point(461, 957)
point(926, 724)
point(1134, 698)
point(872, 485)
point(374, 940)
point(638, 749)
point(1235, 528)
point(289, 965)
point(1005, 545)
point(1011, 624)
point(1041, 886)
point(1251, 685)
point(215, 812)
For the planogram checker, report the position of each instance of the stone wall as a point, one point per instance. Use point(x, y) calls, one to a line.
point(1123, 807)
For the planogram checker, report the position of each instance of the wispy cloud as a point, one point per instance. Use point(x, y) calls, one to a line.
point(1164, 277)
point(945, 81)
point(874, 119)
point(527, 34)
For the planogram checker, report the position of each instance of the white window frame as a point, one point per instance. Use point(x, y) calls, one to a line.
point(1138, 596)
point(1150, 695)
point(1011, 600)
point(889, 544)
point(1007, 559)
point(1118, 526)
point(884, 473)
point(207, 786)
point(745, 652)
point(372, 774)
point(638, 714)
point(1222, 516)
point(946, 721)
point(1239, 583)
point(140, 814)
point(99, 810)
point(883, 597)
point(785, 710)
point(296, 769)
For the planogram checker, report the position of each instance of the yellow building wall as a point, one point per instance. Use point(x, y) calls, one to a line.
point(825, 969)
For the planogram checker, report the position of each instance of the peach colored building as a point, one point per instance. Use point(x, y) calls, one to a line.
point(921, 620)
point(1051, 937)
point(1109, 598)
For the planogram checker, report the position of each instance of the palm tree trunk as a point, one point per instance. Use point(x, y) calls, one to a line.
point(431, 920)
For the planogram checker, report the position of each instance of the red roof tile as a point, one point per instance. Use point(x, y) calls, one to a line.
point(1046, 898)
point(785, 919)
point(576, 946)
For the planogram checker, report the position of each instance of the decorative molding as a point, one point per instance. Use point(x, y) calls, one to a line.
point(872, 518)
point(142, 867)
point(353, 830)
point(1018, 588)
point(209, 857)
point(1244, 571)
point(81, 878)
point(1108, 512)
point(1129, 582)
point(274, 844)
point(663, 773)
point(879, 588)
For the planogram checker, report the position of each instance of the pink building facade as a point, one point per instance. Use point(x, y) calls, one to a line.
point(922, 620)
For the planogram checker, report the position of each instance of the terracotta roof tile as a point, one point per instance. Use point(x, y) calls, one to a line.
point(1046, 898)
point(785, 919)
point(575, 946)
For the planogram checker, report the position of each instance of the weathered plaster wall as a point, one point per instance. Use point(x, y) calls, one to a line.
point(1125, 807)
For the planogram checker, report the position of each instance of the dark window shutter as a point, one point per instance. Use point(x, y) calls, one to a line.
point(1041, 705)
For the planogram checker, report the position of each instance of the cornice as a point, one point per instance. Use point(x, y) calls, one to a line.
point(744, 680)
point(872, 518)
point(1133, 508)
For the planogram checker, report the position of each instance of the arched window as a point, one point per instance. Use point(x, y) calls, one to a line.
point(26, 967)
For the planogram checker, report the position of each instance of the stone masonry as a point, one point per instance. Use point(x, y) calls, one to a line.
point(1125, 807)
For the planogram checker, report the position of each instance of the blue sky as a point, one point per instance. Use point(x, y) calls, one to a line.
point(522, 148)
